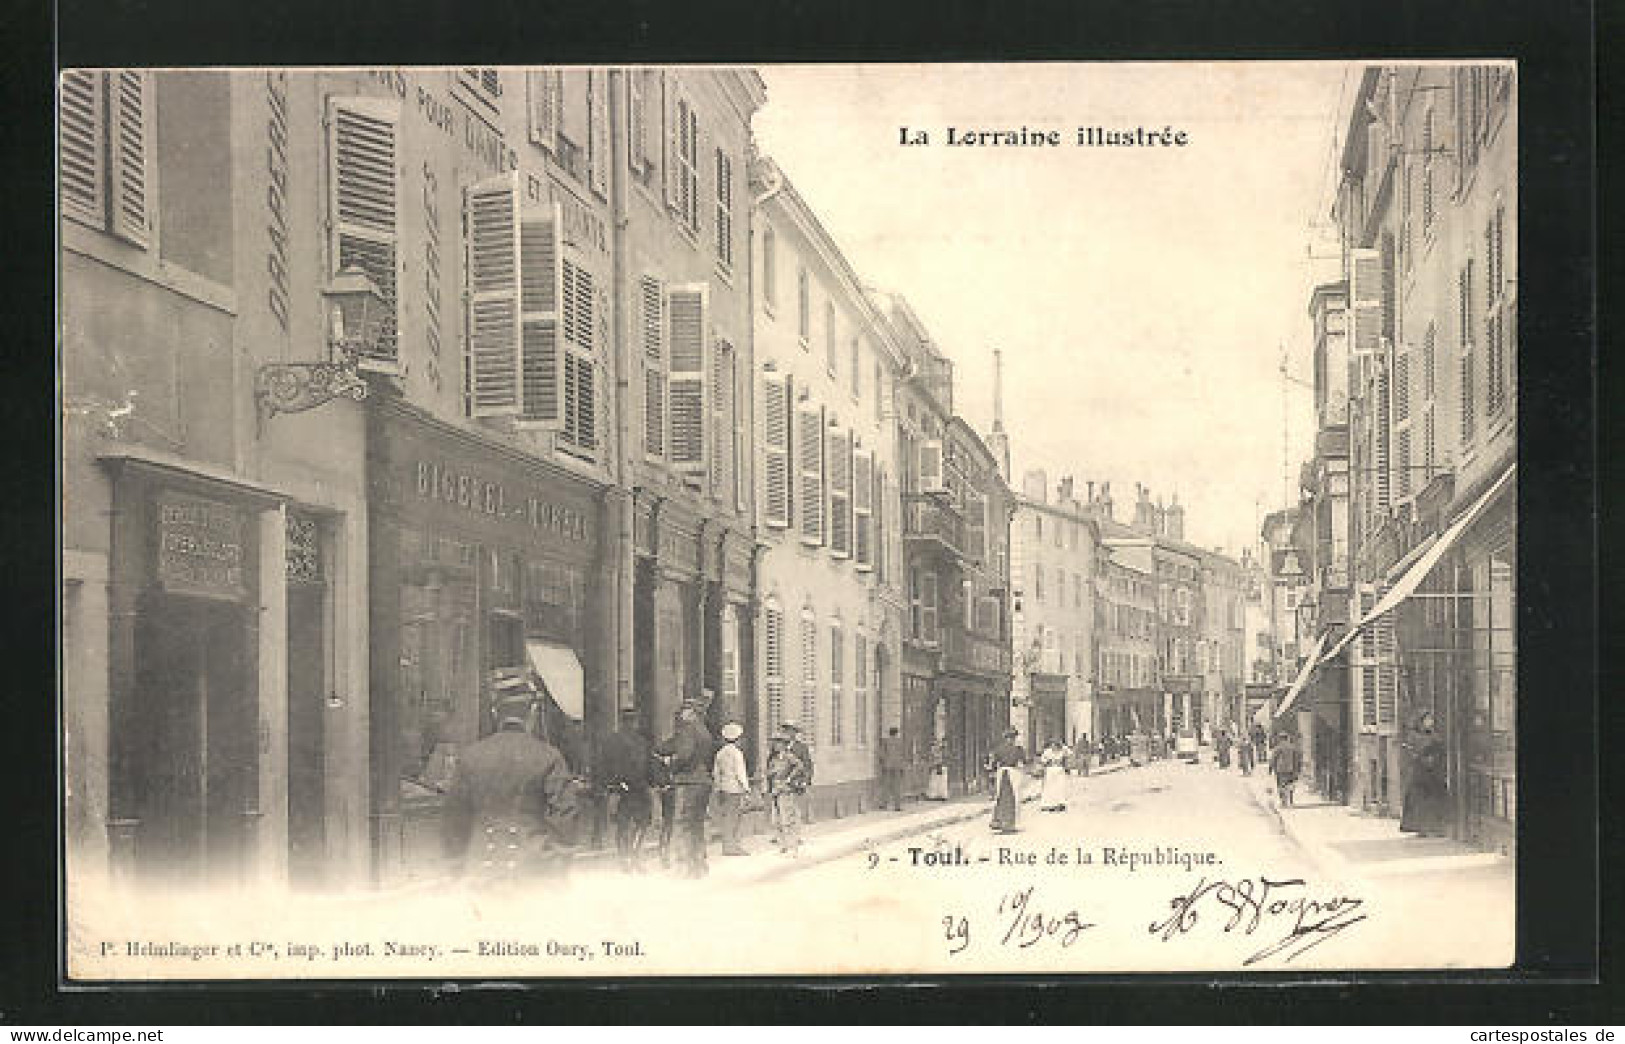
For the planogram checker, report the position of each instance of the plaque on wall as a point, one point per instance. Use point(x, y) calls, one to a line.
point(200, 547)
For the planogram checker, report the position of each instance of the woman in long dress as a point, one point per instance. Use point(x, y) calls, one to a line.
point(1008, 761)
point(1426, 795)
point(1052, 798)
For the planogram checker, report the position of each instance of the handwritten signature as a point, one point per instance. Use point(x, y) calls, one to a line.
point(1025, 923)
point(1264, 904)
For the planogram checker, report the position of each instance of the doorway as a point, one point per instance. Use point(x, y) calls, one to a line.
point(192, 738)
point(307, 742)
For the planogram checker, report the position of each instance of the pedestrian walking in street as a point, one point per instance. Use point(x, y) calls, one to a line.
point(732, 783)
point(691, 749)
point(624, 764)
point(511, 811)
point(1244, 755)
point(1260, 744)
point(1222, 743)
point(1052, 796)
point(1285, 762)
point(893, 760)
point(1426, 794)
point(1009, 759)
point(1083, 753)
point(786, 780)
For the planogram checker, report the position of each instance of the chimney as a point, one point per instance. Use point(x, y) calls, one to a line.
point(1035, 485)
point(1091, 486)
point(1066, 488)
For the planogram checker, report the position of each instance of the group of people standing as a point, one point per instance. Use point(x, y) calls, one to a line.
point(514, 807)
point(1009, 763)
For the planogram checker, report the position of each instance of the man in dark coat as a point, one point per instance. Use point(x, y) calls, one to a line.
point(691, 750)
point(624, 762)
point(1285, 762)
point(893, 759)
point(510, 810)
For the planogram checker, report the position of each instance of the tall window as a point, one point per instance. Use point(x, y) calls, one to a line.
point(770, 267)
point(1429, 391)
point(725, 211)
point(803, 307)
point(1464, 325)
point(837, 674)
point(1497, 334)
point(809, 672)
point(1038, 582)
point(857, 370)
point(860, 689)
point(688, 166)
point(829, 337)
point(1427, 172)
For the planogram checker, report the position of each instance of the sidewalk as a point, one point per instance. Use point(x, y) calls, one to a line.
point(1344, 840)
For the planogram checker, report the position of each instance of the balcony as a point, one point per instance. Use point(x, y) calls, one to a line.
point(932, 524)
point(963, 651)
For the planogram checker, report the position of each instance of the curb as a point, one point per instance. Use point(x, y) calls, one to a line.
point(1324, 861)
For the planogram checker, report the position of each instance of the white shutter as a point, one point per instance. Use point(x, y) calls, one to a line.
point(669, 138)
point(840, 494)
point(1365, 302)
point(542, 298)
point(598, 132)
point(863, 496)
point(928, 608)
point(738, 380)
point(637, 121)
point(653, 297)
point(809, 675)
point(773, 663)
point(580, 402)
point(776, 450)
point(491, 218)
point(718, 420)
point(689, 326)
point(931, 473)
point(544, 97)
point(363, 185)
point(810, 469)
point(83, 131)
point(129, 114)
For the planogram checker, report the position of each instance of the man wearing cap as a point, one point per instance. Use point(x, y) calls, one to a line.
point(732, 783)
point(803, 753)
point(893, 759)
point(510, 808)
point(691, 750)
point(786, 781)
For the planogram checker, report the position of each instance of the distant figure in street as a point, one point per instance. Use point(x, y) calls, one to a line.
point(1260, 743)
point(893, 759)
point(1052, 798)
point(624, 769)
point(1222, 742)
point(1285, 762)
point(1244, 755)
point(1008, 760)
point(510, 813)
point(1426, 794)
point(732, 783)
point(786, 781)
point(691, 750)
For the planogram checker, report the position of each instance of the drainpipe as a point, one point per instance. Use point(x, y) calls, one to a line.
point(625, 561)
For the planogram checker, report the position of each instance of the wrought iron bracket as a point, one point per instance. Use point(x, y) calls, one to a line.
point(300, 386)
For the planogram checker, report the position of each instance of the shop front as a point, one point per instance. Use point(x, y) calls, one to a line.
point(483, 563)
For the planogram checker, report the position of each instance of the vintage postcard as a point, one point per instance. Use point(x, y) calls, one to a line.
point(788, 520)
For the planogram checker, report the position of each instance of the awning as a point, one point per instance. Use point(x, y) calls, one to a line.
point(1407, 584)
point(560, 673)
point(1309, 665)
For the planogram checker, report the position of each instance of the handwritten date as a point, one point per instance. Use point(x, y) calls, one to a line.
point(1025, 921)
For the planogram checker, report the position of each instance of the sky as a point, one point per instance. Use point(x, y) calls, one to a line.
point(1142, 297)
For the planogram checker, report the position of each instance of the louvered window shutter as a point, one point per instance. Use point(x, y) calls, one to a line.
point(725, 220)
point(364, 186)
point(689, 332)
point(840, 494)
point(776, 450)
point(544, 366)
point(598, 132)
point(544, 95)
point(492, 220)
point(881, 534)
point(809, 675)
point(83, 148)
point(671, 132)
point(652, 296)
point(837, 675)
point(1365, 301)
point(738, 374)
point(810, 469)
point(863, 494)
point(129, 113)
point(1381, 437)
point(773, 664)
point(1464, 291)
point(720, 418)
point(579, 323)
point(637, 121)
